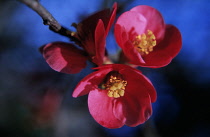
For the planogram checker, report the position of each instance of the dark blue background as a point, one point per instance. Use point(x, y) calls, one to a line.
point(181, 110)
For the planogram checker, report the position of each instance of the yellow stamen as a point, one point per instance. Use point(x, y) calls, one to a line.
point(115, 86)
point(73, 33)
point(145, 43)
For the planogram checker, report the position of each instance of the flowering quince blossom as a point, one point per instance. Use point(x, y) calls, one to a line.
point(145, 39)
point(118, 95)
point(90, 36)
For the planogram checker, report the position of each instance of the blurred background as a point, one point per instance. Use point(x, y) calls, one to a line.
point(36, 101)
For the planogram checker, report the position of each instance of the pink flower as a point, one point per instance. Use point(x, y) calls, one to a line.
point(46, 106)
point(118, 95)
point(91, 36)
point(145, 39)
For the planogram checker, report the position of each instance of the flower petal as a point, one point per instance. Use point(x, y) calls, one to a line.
point(165, 51)
point(101, 108)
point(133, 23)
point(90, 82)
point(137, 79)
point(137, 109)
point(123, 41)
point(64, 57)
point(132, 54)
point(106, 15)
point(154, 20)
point(87, 26)
point(145, 82)
point(111, 18)
point(86, 30)
point(120, 35)
point(136, 103)
point(92, 32)
point(100, 41)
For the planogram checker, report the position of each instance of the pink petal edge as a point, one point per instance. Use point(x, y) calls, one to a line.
point(64, 57)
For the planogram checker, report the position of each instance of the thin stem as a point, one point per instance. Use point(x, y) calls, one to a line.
point(48, 19)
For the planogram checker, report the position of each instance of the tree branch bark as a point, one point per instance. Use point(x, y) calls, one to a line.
point(47, 17)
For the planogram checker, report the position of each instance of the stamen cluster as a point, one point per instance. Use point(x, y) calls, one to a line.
point(144, 43)
point(115, 86)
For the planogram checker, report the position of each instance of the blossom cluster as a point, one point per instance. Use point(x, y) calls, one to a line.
point(118, 93)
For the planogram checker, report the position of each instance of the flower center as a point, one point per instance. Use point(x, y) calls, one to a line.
point(115, 85)
point(144, 43)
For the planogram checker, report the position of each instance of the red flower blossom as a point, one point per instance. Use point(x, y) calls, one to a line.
point(49, 106)
point(91, 36)
point(118, 95)
point(145, 39)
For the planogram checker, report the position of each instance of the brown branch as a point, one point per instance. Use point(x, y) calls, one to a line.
point(48, 19)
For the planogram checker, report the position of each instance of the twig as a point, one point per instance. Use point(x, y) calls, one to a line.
point(48, 19)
